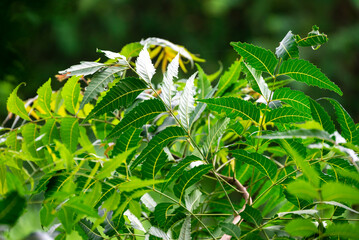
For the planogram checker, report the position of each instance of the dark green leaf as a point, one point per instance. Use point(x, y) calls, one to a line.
point(321, 116)
point(158, 142)
point(11, 208)
point(128, 139)
point(138, 116)
point(177, 170)
point(263, 164)
point(215, 133)
point(296, 99)
point(230, 229)
point(347, 125)
point(252, 215)
point(233, 107)
point(120, 95)
point(189, 178)
point(304, 71)
point(259, 58)
point(314, 39)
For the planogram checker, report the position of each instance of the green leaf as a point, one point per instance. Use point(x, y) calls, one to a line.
point(47, 215)
point(12, 140)
point(185, 233)
point(129, 139)
point(297, 152)
point(233, 108)
point(229, 77)
point(286, 115)
point(304, 71)
point(112, 165)
point(44, 97)
point(162, 212)
point(257, 82)
point(84, 68)
point(120, 95)
point(70, 93)
point(259, 58)
point(296, 99)
point(263, 164)
point(321, 116)
point(156, 158)
point(50, 131)
point(176, 171)
point(215, 133)
point(186, 104)
point(66, 217)
point(230, 229)
point(138, 116)
point(301, 228)
point(335, 191)
point(341, 231)
point(252, 215)
point(287, 47)
point(314, 39)
point(32, 140)
point(347, 125)
point(70, 133)
point(158, 233)
point(159, 142)
point(131, 50)
point(136, 184)
point(338, 205)
point(12, 206)
point(189, 178)
point(203, 84)
point(98, 83)
point(298, 133)
point(16, 105)
point(303, 190)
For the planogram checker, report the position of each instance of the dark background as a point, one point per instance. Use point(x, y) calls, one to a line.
point(39, 38)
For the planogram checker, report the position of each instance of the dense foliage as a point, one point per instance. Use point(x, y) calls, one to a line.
point(211, 156)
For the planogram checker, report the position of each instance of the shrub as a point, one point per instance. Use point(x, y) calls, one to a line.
point(114, 154)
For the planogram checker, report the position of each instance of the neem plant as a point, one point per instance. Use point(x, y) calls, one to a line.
point(241, 157)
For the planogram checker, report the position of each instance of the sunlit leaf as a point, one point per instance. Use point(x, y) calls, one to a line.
point(44, 97)
point(70, 93)
point(16, 105)
point(186, 105)
point(70, 133)
point(229, 77)
point(84, 68)
point(301, 228)
point(144, 66)
point(288, 47)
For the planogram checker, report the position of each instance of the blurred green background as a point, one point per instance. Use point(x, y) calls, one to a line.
point(39, 38)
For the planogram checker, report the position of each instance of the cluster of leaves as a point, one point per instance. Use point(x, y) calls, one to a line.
point(241, 156)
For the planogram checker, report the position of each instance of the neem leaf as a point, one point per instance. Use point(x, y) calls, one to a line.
point(16, 105)
point(301, 228)
point(259, 58)
point(70, 93)
point(288, 47)
point(12, 206)
point(44, 97)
